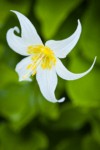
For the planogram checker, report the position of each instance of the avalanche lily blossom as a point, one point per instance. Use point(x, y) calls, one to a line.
point(43, 60)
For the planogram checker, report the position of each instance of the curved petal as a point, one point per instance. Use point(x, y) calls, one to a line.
point(47, 80)
point(29, 35)
point(21, 69)
point(63, 47)
point(29, 32)
point(67, 75)
point(16, 43)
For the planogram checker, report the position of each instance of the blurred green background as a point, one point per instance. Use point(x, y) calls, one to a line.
point(27, 120)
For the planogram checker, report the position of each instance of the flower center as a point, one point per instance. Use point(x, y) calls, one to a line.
point(43, 56)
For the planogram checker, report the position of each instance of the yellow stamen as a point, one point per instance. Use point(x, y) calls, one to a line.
point(33, 73)
point(42, 55)
point(29, 66)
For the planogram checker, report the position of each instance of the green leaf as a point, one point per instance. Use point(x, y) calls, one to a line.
point(6, 6)
point(71, 117)
point(47, 109)
point(90, 39)
point(84, 91)
point(16, 141)
point(90, 144)
point(7, 75)
point(1, 50)
point(96, 129)
point(53, 13)
point(73, 143)
point(18, 104)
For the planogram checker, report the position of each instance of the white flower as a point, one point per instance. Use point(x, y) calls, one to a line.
point(42, 60)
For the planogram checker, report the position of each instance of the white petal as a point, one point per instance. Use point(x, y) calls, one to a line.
point(67, 75)
point(29, 35)
point(16, 43)
point(62, 47)
point(47, 80)
point(21, 69)
point(29, 32)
